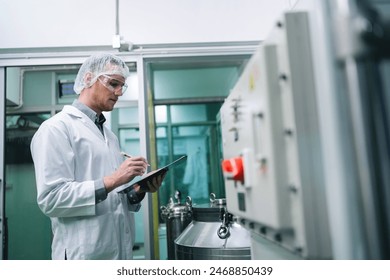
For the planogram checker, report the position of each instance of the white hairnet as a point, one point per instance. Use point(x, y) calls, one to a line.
point(97, 65)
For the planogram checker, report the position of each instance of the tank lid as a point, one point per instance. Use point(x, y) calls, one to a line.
point(174, 209)
point(209, 212)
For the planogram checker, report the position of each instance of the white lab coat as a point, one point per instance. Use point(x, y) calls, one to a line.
point(69, 153)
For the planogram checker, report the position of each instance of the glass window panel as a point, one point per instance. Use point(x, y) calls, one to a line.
point(196, 82)
point(29, 230)
point(188, 113)
point(128, 115)
point(13, 86)
point(179, 146)
point(132, 91)
point(37, 88)
point(190, 130)
point(192, 178)
point(161, 114)
point(19, 132)
point(161, 132)
point(129, 140)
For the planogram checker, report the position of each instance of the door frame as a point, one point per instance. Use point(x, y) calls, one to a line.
point(2, 181)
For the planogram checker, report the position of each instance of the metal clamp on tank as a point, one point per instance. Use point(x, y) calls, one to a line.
point(217, 201)
point(224, 230)
point(226, 218)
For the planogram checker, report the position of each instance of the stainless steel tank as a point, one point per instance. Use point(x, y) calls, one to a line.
point(213, 235)
point(177, 216)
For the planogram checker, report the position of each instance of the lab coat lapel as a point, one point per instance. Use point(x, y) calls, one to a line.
point(71, 110)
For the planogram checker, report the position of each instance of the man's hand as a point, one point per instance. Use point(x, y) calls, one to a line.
point(127, 171)
point(153, 185)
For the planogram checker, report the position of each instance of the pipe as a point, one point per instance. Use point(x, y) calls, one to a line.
point(116, 17)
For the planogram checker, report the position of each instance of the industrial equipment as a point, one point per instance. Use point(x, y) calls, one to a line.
point(213, 234)
point(269, 130)
point(177, 216)
point(304, 147)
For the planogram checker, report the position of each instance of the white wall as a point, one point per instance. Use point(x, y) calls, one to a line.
point(64, 23)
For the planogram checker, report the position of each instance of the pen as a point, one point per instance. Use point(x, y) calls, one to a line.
point(125, 155)
point(128, 156)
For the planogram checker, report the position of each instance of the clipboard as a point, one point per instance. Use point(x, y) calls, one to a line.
point(143, 180)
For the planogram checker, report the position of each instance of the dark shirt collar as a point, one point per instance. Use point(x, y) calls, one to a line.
point(89, 112)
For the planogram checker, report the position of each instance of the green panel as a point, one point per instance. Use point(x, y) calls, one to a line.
point(13, 86)
point(29, 231)
point(194, 113)
point(37, 88)
point(190, 83)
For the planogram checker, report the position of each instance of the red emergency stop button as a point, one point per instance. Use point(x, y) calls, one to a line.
point(234, 169)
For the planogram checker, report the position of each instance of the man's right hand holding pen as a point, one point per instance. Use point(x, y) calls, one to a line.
point(127, 171)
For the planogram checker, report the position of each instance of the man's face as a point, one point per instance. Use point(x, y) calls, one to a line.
point(106, 91)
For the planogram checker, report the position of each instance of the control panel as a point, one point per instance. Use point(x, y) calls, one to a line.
point(271, 145)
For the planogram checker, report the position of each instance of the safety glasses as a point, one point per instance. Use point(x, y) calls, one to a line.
point(112, 85)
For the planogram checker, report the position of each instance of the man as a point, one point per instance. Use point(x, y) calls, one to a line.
point(78, 165)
